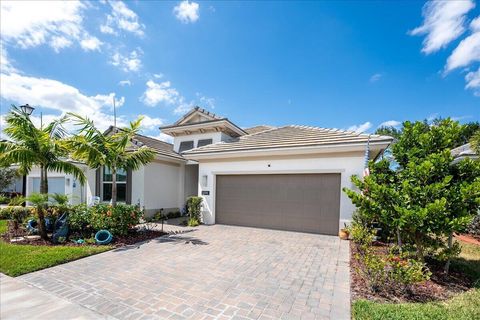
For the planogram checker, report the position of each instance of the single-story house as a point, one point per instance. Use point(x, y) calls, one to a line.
point(288, 177)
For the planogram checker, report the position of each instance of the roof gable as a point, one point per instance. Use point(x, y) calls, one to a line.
point(196, 115)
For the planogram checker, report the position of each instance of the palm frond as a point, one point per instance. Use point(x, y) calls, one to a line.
point(137, 158)
point(67, 167)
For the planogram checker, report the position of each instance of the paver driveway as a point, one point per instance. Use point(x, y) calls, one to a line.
point(214, 272)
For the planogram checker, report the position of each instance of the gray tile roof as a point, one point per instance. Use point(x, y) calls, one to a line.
point(161, 147)
point(290, 136)
point(463, 151)
point(257, 129)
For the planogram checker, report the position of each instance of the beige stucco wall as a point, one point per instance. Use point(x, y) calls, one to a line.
point(162, 186)
point(346, 164)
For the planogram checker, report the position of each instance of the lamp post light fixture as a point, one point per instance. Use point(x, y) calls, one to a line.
point(27, 109)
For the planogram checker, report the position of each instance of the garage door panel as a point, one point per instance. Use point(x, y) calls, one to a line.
point(297, 202)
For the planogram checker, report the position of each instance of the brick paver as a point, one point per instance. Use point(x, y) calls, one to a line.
point(214, 272)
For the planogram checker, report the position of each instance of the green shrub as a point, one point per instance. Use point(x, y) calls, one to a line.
point(17, 201)
point(194, 205)
point(118, 220)
point(15, 213)
point(193, 222)
point(4, 199)
point(361, 235)
point(80, 220)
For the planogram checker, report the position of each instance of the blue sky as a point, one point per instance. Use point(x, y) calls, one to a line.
point(351, 65)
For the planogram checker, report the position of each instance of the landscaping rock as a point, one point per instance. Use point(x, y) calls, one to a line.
point(33, 238)
point(17, 239)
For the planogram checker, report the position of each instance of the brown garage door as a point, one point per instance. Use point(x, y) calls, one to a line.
point(296, 202)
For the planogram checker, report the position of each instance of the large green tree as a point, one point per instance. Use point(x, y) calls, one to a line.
point(424, 197)
point(31, 146)
point(112, 149)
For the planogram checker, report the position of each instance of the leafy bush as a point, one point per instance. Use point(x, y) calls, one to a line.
point(17, 201)
point(4, 199)
point(193, 222)
point(80, 220)
point(390, 272)
point(474, 227)
point(194, 205)
point(15, 213)
point(361, 235)
point(118, 220)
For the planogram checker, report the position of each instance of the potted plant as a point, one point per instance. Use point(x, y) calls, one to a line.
point(344, 232)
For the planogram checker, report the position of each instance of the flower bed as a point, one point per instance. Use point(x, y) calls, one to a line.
point(438, 287)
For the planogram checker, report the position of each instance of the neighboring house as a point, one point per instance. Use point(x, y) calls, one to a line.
point(462, 152)
point(288, 178)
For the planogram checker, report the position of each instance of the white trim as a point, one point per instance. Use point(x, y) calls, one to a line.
point(284, 150)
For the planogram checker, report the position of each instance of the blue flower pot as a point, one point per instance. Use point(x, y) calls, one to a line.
point(103, 237)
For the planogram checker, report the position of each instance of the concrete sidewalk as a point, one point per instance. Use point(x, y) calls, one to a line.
point(19, 300)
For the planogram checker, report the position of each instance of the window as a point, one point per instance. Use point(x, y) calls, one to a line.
point(121, 185)
point(185, 145)
point(204, 142)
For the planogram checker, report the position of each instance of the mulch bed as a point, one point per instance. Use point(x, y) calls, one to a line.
point(134, 236)
point(469, 238)
point(439, 287)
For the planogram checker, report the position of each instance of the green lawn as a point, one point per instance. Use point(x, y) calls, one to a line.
point(16, 260)
point(3, 226)
point(465, 306)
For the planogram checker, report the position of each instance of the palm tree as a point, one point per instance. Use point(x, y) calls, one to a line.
point(42, 147)
point(112, 149)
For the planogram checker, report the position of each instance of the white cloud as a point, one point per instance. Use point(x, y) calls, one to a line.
point(158, 75)
point(444, 21)
point(125, 83)
point(33, 23)
point(205, 102)
point(389, 123)
point(91, 44)
point(164, 137)
point(128, 63)
point(187, 11)
point(160, 93)
point(5, 63)
point(473, 81)
point(361, 127)
point(149, 123)
point(465, 53)
point(57, 96)
point(58, 43)
point(122, 18)
point(375, 77)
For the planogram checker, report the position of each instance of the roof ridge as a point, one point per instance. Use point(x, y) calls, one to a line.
point(152, 138)
point(256, 133)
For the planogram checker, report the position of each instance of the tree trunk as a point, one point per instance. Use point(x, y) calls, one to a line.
point(450, 243)
point(419, 244)
point(114, 187)
point(42, 229)
point(399, 240)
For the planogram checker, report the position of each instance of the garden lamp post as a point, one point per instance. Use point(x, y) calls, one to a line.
point(27, 109)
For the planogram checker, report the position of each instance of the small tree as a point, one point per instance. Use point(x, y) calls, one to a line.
point(7, 177)
point(113, 149)
point(426, 197)
point(41, 147)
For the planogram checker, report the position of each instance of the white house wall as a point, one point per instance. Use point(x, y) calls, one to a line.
point(138, 186)
point(347, 165)
point(215, 136)
point(162, 183)
point(78, 193)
